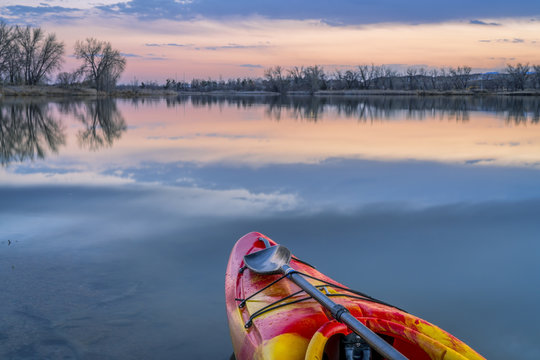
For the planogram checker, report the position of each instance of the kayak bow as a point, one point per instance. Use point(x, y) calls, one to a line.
point(271, 317)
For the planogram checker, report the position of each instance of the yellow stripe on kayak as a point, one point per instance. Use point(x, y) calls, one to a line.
point(286, 346)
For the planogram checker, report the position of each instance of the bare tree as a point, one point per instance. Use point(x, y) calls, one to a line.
point(518, 75)
point(366, 74)
point(297, 75)
point(351, 79)
point(14, 65)
point(102, 64)
point(314, 78)
point(389, 75)
point(40, 54)
point(347, 79)
point(536, 76)
point(460, 76)
point(412, 81)
point(68, 78)
point(433, 74)
point(6, 40)
point(422, 78)
point(276, 78)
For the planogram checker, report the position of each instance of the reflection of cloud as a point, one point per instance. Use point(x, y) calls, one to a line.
point(509, 143)
point(507, 41)
point(210, 135)
point(228, 136)
point(55, 176)
point(480, 22)
point(145, 237)
point(353, 182)
point(189, 199)
point(257, 66)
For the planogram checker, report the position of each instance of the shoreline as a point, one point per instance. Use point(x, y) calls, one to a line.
point(78, 91)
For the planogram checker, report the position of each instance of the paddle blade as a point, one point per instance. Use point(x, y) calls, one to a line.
point(268, 261)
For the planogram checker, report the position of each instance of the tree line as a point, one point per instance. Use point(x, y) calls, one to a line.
point(30, 56)
point(315, 78)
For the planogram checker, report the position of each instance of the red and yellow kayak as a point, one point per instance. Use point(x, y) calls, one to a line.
point(270, 320)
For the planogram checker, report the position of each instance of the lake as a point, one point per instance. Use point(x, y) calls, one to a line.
point(117, 216)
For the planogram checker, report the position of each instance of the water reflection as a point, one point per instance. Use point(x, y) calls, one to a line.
point(195, 173)
point(103, 123)
point(516, 110)
point(28, 131)
point(31, 130)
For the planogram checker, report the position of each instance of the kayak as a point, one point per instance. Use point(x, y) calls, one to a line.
point(271, 317)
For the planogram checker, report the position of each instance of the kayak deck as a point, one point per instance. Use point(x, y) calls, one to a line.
point(271, 318)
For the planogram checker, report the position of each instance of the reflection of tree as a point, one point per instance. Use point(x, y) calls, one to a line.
point(515, 110)
point(27, 131)
point(104, 124)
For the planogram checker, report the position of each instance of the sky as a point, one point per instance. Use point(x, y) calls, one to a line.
point(183, 39)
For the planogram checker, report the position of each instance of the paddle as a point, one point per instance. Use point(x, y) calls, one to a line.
point(275, 260)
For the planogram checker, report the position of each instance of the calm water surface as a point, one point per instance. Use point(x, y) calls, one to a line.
point(117, 217)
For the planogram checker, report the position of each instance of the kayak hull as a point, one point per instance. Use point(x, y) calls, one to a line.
point(305, 330)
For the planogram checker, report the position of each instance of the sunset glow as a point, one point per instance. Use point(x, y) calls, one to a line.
point(159, 47)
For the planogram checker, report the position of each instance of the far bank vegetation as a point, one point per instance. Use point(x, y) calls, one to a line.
point(365, 78)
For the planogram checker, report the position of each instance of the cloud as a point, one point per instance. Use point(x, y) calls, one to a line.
point(212, 47)
point(130, 55)
point(38, 10)
point(167, 44)
point(150, 10)
point(33, 15)
point(231, 46)
point(147, 57)
point(480, 22)
point(340, 13)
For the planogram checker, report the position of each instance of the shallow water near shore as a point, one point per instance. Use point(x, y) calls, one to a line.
point(117, 216)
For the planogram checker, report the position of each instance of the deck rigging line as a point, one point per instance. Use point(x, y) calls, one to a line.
point(278, 303)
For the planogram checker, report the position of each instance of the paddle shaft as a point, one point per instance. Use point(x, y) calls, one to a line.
point(340, 313)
